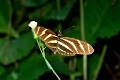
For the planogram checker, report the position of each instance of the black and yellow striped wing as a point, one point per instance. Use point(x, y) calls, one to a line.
point(63, 45)
point(70, 47)
point(49, 37)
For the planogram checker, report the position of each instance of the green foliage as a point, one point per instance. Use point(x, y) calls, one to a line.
point(92, 65)
point(2, 69)
point(100, 19)
point(4, 16)
point(58, 65)
point(91, 68)
point(63, 13)
point(17, 45)
point(34, 3)
point(15, 49)
point(33, 67)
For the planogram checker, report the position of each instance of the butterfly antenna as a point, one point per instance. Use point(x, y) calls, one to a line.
point(68, 28)
point(54, 21)
point(58, 25)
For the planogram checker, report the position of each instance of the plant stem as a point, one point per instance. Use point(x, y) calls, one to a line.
point(100, 62)
point(58, 9)
point(83, 38)
point(82, 20)
point(41, 47)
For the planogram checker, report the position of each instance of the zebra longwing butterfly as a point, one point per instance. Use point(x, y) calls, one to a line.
point(63, 45)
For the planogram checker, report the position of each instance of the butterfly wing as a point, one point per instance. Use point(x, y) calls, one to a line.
point(70, 46)
point(63, 45)
point(47, 36)
point(52, 43)
point(43, 33)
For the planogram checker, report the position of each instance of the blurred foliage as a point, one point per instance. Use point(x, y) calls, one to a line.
point(20, 58)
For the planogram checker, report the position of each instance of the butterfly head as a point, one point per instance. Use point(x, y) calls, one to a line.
point(59, 34)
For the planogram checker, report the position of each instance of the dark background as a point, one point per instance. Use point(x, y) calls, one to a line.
point(20, 57)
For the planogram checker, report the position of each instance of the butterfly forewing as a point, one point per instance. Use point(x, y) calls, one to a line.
point(44, 33)
point(48, 37)
point(63, 45)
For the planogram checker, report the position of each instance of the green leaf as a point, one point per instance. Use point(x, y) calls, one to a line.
point(80, 65)
point(101, 19)
point(73, 30)
point(2, 70)
point(35, 66)
point(92, 65)
point(8, 73)
point(4, 16)
point(63, 13)
point(16, 49)
point(58, 65)
point(32, 68)
point(34, 3)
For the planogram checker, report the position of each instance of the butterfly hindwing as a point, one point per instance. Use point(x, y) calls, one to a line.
point(70, 46)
